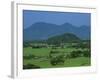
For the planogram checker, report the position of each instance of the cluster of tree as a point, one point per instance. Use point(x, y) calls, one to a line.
point(32, 56)
point(56, 58)
point(34, 45)
point(75, 54)
point(82, 45)
point(87, 53)
point(79, 53)
point(39, 46)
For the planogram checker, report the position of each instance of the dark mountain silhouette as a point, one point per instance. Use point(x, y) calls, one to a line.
point(42, 31)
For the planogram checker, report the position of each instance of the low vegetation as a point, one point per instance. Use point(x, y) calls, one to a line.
point(52, 53)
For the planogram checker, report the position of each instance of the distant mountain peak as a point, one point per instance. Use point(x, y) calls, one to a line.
point(67, 24)
point(42, 23)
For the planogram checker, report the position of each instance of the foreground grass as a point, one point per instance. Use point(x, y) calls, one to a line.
point(81, 61)
point(45, 63)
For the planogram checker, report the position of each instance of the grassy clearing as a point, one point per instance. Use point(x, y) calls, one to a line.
point(45, 62)
point(81, 61)
point(43, 51)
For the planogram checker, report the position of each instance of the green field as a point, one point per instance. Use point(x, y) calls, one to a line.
point(40, 57)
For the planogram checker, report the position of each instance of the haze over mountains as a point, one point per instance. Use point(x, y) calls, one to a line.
point(43, 31)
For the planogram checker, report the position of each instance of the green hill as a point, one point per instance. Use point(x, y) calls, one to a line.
point(64, 38)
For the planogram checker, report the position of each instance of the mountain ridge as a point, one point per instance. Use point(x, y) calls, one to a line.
point(63, 38)
point(42, 31)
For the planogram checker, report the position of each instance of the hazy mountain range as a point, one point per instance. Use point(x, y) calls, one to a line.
point(43, 31)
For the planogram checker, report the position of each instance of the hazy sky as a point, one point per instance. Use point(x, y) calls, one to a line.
point(30, 17)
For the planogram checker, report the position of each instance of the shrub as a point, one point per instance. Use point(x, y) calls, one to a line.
point(30, 66)
point(54, 60)
point(86, 53)
point(75, 54)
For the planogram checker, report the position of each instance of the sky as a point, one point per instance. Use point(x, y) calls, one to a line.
point(77, 19)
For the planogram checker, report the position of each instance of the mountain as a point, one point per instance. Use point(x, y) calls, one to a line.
point(63, 38)
point(42, 31)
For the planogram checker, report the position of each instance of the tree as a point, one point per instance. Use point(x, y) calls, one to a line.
point(86, 53)
point(75, 54)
